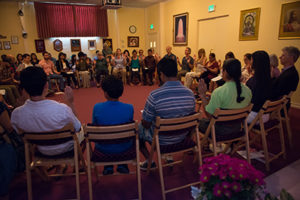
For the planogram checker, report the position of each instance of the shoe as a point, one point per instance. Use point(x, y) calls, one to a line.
point(144, 165)
point(123, 169)
point(169, 159)
point(108, 170)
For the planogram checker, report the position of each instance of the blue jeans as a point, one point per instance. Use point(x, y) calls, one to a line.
point(60, 79)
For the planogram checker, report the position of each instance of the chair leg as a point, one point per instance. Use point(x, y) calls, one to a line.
point(161, 176)
point(248, 149)
point(265, 147)
point(138, 170)
point(28, 172)
point(89, 172)
point(288, 127)
point(151, 157)
point(282, 139)
point(77, 171)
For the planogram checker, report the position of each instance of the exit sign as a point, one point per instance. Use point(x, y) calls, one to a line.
point(211, 8)
point(151, 26)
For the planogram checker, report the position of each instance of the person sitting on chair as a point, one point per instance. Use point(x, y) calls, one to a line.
point(39, 114)
point(113, 112)
point(100, 67)
point(83, 70)
point(212, 69)
point(187, 63)
point(232, 95)
point(171, 100)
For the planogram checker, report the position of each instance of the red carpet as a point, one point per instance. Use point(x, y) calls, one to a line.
point(125, 186)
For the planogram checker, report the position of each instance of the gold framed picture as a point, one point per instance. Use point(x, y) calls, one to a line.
point(133, 41)
point(14, 39)
point(92, 44)
point(249, 24)
point(1, 45)
point(290, 21)
point(180, 29)
point(75, 45)
point(6, 45)
point(58, 45)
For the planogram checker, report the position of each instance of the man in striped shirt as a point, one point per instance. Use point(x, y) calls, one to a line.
point(171, 100)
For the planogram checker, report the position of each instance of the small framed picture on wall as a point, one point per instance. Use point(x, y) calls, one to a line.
point(1, 46)
point(58, 45)
point(40, 46)
point(6, 45)
point(180, 29)
point(290, 21)
point(75, 45)
point(249, 24)
point(133, 41)
point(14, 39)
point(92, 44)
point(108, 42)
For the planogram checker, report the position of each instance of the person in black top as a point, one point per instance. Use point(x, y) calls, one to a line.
point(63, 67)
point(34, 60)
point(187, 63)
point(149, 67)
point(260, 83)
point(289, 78)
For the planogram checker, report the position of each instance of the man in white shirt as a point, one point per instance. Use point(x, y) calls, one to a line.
point(41, 115)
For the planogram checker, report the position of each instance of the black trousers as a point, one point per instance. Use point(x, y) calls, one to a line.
point(149, 73)
point(99, 74)
point(69, 76)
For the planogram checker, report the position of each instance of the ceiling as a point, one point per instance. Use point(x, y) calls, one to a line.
point(126, 3)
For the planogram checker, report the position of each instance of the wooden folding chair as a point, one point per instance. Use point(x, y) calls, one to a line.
point(286, 118)
point(113, 134)
point(262, 129)
point(36, 159)
point(228, 117)
point(169, 127)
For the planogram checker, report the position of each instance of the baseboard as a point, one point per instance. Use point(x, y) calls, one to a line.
point(295, 105)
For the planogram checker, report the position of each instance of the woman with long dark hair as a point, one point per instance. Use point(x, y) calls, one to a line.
point(62, 66)
point(34, 60)
point(232, 95)
point(260, 83)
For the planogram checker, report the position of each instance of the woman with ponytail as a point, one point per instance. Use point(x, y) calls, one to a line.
point(232, 95)
point(260, 83)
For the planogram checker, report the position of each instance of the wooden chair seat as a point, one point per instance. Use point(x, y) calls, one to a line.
point(188, 143)
point(98, 156)
point(268, 125)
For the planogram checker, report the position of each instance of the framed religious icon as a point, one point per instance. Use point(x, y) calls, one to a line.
point(14, 39)
point(290, 21)
point(249, 24)
point(108, 41)
point(6, 45)
point(92, 44)
point(40, 46)
point(180, 29)
point(133, 41)
point(75, 45)
point(58, 45)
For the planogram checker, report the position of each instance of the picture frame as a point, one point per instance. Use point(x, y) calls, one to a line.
point(108, 41)
point(14, 39)
point(39, 46)
point(249, 24)
point(133, 41)
point(75, 45)
point(1, 48)
point(6, 45)
point(180, 29)
point(289, 25)
point(92, 44)
point(57, 45)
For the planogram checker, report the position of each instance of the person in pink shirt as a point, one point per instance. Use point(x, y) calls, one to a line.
point(50, 71)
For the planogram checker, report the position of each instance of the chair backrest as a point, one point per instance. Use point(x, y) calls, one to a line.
point(176, 124)
point(221, 115)
point(102, 133)
point(50, 138)
point(272, 106)
point(288, 98)
point(269, 107)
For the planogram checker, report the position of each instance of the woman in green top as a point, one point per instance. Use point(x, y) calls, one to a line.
point(232, 95)
point(135, 68)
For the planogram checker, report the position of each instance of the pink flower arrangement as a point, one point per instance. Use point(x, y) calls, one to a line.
point(224, 177)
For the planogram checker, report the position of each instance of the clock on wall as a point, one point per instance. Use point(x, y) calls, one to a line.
point(132, 29)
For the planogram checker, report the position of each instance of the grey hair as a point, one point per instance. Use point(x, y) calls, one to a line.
point(273, 60)
point(292, 51)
